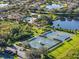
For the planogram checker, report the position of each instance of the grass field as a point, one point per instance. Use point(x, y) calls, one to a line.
point(64, 49)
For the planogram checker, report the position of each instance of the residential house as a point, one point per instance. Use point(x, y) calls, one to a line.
point(3, 5)
point(21, 51)
point(53, 6)
point(12, 49)
point(2, 17)
point(29, 19)
point(15, 16)
point(36, 15)
point(3, 10)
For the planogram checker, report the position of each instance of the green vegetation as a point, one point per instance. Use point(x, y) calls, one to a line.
point(62, 51)
point(12, 31)
point(76, 10)
point(1, 2)
point(53, 16)
point(15, 57)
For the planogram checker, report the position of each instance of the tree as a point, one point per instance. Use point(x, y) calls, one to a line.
point(36, 53)
point(19, 33)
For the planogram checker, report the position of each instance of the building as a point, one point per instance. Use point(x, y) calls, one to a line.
point(53, 6)
point(2, 17)
point(36, 15)
point(20, 51)
point(3, 10)
point(3, 5)
point(29, 19)
point(15, 16)
point(12, 49)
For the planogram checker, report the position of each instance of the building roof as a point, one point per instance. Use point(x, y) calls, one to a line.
point(29, 19)
point(16, 16)
point(3, 10)
point(13, 49)
point(3, 5)
point(54, 6)
point(3, 16)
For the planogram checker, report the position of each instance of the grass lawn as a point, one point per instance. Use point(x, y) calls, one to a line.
point(1, 2)
point(42, 6)
point(65, 48)
point(15, 57)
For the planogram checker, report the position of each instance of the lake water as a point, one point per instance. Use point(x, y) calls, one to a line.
point(71, 25)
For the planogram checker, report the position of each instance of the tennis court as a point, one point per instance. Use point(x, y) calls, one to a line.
point(49, 39)
point(40, 42)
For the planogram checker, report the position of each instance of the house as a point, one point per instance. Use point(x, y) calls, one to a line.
point(2, 17)
point(12, 49)
point(15, 16)
point(3, 5)
point(36, 15)
point(20, 51)
point(53, 6)
point(21, 54)
point(29, 19)
point(3, 10)
point(16, 50)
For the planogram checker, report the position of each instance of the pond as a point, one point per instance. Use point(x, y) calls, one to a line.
point(70, 25)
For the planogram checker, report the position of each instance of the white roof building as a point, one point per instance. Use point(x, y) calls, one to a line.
point(11, 49)
point(29, 19)
point(3, 5)
point(54, 6)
